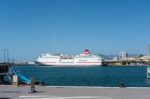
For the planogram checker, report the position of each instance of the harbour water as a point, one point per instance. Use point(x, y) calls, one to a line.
point(88, 76)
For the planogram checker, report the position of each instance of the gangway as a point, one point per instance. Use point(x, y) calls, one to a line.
point(22, 78)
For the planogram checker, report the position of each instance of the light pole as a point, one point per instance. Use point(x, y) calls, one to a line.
point(6, 56)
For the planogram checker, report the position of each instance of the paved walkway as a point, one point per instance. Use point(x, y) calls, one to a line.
point(13, 92)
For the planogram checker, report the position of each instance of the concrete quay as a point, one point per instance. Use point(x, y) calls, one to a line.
point(54, 92)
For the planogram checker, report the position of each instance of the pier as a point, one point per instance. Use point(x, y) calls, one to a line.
point(126, 63)
point(70, 92)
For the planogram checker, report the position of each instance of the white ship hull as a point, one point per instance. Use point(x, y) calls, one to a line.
point(70, 64)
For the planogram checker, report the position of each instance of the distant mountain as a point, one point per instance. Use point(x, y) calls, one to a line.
point(109, 57)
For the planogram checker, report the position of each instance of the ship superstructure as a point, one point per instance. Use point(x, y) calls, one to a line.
point(84, 59)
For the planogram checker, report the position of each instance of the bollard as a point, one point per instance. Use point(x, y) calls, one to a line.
point(122, 85)
point(32, 88)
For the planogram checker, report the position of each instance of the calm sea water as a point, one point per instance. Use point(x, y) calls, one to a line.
point(88, 76)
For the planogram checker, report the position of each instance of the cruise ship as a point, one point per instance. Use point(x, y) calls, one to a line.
point(84, 59)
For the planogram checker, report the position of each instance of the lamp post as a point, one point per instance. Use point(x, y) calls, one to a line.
point(6, 56)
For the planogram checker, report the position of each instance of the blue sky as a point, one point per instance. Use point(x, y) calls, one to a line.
point(31, 27)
